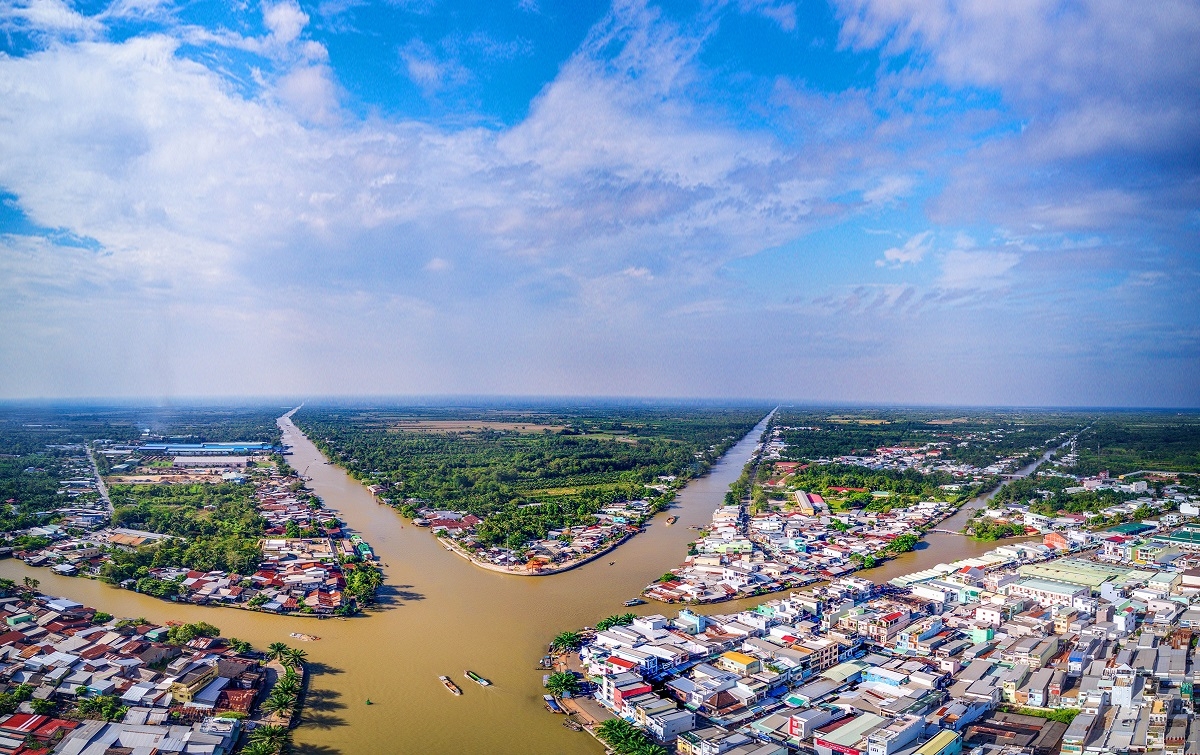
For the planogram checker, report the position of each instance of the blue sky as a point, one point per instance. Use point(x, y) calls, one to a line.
point(896, 201)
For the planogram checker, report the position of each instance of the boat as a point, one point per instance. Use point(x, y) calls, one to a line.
point(304, 637)
point(476, 678)
point(572, 725)
point(369, 701)
point(634, 602)
point(610, 563)
point(445, 680)
point(552, 704)
point(671, 520)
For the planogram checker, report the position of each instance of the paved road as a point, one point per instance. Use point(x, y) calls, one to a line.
point(100, 481)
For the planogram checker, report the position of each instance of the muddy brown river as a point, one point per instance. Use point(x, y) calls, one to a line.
point(441, 615)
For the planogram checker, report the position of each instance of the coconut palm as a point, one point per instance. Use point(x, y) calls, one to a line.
point(294, 657)
point(288, 685)
point(277, 737)
point(259, 748)
point(565, 641)
point(276, 650)
point(276, 703)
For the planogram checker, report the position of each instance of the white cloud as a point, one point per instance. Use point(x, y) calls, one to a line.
point(962, 269)
point(310, 92)
point(285, 20)
point(429, 70)
point(888, 189)
point(52, 16)
point(595, 236)
point(912, 252)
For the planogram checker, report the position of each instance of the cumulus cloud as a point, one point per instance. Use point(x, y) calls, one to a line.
point(285, 21)
point(1108, 82)
point(912, 252)
point(600, 233)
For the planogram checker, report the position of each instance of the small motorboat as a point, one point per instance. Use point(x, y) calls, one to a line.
point(369, 701)
point(633, 602)
point(477, 678)
point(671, 520)
point(610, 563)
point(445, 680)
point(304, 637)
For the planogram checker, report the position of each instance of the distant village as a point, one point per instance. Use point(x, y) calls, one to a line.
point(301, 575)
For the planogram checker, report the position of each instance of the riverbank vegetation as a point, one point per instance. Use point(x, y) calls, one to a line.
point(989, 530)
point(526, 472)
point(624, 738)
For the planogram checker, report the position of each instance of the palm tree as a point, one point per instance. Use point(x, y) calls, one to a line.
point(276, 650)
point(277, 737)
point(259, 748)
point(288, 685)
point(276, 703)
point(294, 657)
point(566, 641)
point(561, 683)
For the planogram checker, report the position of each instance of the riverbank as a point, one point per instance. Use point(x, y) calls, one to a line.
point(490, 622)
point(535, 527)
point(454, 547)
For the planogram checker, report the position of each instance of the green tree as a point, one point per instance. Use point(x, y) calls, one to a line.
point(562, 683)
point(276, 651)
point(278, 737)
point(565, 641)
point(259, 748)
point(294, 657)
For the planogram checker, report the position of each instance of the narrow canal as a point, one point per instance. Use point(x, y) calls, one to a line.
point(441, 615)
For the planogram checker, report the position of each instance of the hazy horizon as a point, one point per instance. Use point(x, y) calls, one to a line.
point(867, 201)
point(518, 401)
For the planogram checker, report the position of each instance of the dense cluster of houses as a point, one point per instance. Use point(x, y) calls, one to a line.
point(742, 554)
point(1008, 652)
point(1070, 525)
point(560, 547)
point(171, 698)
point(302, 574)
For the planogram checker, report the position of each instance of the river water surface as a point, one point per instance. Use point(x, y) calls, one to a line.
point(441, 615)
